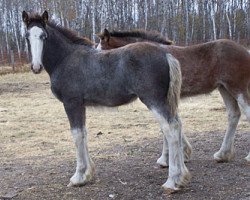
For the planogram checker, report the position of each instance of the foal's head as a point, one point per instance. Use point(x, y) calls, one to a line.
point(36, 35)
point(116, 39)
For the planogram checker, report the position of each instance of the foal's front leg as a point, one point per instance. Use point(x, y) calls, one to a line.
point(85, 167)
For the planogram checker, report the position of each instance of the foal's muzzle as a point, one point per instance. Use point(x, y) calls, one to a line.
point(36, 68)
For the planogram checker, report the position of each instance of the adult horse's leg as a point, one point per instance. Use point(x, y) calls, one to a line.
point(244, 102)
point(178, 173)
point(85, 167)
point(187, 150)
point(226, 152)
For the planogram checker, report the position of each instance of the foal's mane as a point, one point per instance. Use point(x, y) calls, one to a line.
point(153, 36)
point(71, 35)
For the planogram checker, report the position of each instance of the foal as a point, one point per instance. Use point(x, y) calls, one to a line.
point(221, 64)
point(81, 75)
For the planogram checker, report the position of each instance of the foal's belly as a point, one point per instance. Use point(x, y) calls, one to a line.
point(110, 100)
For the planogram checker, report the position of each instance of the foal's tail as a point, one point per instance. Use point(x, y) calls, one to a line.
point(174, 84)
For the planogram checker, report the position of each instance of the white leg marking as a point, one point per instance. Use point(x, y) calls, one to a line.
point(187, 150)
point(163, 160)
point(178, 173)
point(85, 168)
point(244, 105)
point(226, 152)
point(36, 45)
point(246, 108)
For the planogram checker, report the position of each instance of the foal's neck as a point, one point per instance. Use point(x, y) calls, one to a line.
point(55, 50)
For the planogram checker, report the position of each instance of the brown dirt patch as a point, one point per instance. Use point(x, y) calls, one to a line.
point(38, 156)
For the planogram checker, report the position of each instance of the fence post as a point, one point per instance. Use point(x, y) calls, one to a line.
point(12, 60)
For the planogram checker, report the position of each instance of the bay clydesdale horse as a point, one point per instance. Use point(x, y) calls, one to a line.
point(221, 64)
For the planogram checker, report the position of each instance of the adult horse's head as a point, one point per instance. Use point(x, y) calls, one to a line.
point(36, 36)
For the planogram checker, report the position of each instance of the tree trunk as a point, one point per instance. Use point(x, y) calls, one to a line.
point(229, 25)
point(186, 23)
point(213, 21)
point(146, 14)
point(204, 19)
point(93, 19)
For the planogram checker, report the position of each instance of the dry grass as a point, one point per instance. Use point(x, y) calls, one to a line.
point(18, 69)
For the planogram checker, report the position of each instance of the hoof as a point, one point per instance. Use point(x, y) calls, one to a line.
point(223, 157)
point(168, 190)
point(174, 184)
point(78, 179)
point(162, 162)
point(73, 185)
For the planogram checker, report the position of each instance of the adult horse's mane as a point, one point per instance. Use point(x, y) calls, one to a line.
point(153, 36)
point(69, 34)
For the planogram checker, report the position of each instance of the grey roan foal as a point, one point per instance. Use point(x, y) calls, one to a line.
point(82, 76)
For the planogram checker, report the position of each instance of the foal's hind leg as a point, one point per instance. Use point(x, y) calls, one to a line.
point(163, 160)
point(187, 150)
point(85, 167)
point(178, 173)
point(226, 152)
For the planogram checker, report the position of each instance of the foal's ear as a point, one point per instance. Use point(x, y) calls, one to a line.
point(25, 17)
point(45, 16)
point(106, 35)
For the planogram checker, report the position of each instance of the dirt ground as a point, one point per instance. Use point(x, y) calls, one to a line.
point(37, 154)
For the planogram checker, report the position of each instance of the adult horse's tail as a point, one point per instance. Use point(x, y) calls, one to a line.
point(174, 84)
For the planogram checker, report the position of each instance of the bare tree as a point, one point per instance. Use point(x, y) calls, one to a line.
point(183, 21)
